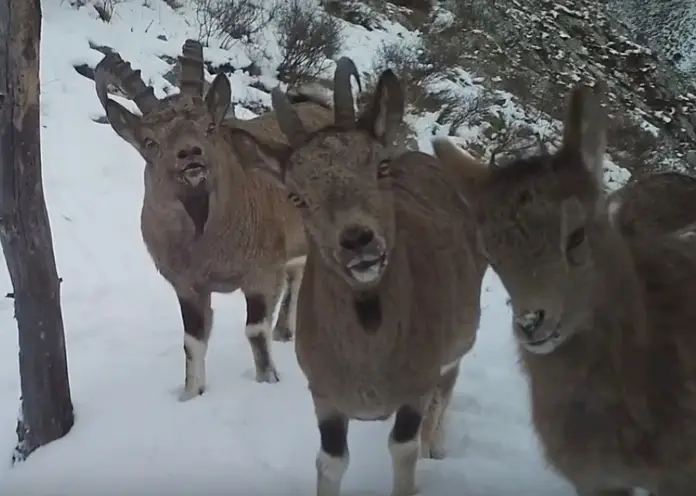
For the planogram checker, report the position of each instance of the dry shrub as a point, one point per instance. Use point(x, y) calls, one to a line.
point(105, 9)
point(230, 20)
point(307, 37)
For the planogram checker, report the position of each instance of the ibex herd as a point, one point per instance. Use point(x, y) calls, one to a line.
point(384, 250)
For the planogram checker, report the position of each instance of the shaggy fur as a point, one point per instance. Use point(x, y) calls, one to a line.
point(605, 321)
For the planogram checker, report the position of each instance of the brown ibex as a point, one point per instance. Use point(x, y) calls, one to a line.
point(389, 302)
point(659, 203)
point(208, 225)
point(605, 323)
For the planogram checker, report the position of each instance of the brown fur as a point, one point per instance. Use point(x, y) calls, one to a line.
point(612, 362)
point(377, 342)
point(214, 227)
point(661, 203)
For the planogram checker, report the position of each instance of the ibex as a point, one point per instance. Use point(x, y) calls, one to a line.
point(207, 224)
point(663, 202)
point(605, 322)
point(389, 302)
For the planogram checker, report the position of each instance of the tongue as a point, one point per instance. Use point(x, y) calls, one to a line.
point(363, 265)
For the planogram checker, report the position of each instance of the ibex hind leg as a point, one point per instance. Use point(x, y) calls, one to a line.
point(197, 315)
point(433, 429)
point(261, 298)
point(281, 331)
point(287, 317)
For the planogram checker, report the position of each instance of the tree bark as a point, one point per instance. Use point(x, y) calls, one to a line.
point(25, 234)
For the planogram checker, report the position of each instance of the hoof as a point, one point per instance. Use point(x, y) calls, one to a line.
point(282, 334)
point(432, 452)
point(407, 492)
point(190, 393)
point(270, 375)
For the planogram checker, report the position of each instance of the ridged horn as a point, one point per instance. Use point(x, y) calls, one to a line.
point(112, 69)
point(191, 68)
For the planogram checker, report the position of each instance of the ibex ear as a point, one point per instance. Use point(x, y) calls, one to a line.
point(126, 124)
point(253, 157)
point(218, 97)
point(384, 115)
point(584, 128)
point(466, 172)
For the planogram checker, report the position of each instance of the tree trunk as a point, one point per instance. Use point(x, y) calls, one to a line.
point(25, 234)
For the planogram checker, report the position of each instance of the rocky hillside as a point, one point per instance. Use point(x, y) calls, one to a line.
point(537, 49)
point(667, 26)
point(492, 73)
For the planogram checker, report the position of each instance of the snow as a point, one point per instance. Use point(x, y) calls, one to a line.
point(124, 335)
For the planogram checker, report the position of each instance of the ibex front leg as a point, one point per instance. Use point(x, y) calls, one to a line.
point(332, 459)
point(404, 443)
point(197, 315)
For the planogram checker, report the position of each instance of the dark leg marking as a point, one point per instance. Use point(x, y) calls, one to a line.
point(194, 324)
point(406, 424)
point(334, 436)
point(368, 308)
point(256, 309)
point(197, 206)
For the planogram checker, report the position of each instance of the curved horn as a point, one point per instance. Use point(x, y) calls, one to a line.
point(112, 69)
point(191, 68)
point(288, 120)
point(344, 110)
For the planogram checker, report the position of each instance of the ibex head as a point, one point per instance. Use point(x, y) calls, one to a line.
point(175, 135)
point(538, 218)
point(339, 177)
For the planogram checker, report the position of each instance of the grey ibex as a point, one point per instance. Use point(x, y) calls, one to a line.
point(389, 302)
point(207, 224)
point(606, 323)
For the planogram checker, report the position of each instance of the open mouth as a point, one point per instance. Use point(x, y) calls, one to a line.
point(544, 344)
point(367, 268)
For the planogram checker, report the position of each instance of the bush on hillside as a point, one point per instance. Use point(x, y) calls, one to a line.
point(230, 20)
point(307, 38)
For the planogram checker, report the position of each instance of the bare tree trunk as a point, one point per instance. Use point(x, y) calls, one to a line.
point(25, 234)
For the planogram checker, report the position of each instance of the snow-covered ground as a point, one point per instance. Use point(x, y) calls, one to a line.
point(124, 334)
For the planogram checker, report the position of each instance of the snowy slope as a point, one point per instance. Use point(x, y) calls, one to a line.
point(124, 332)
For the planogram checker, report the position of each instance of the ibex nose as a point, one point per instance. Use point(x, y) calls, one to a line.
point(529, 322)
point(355, 237)
point(190, 152)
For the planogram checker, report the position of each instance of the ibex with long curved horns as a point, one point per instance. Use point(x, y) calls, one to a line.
point(389, 302)
point(207, 224)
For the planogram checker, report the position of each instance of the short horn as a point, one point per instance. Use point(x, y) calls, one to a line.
point(191, 76)
point(344, 109)
point(112, 69)
point(288, 120)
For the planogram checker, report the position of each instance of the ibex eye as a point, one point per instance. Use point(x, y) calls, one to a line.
point(383, 169)
point(149, 143)
point(296, 200)
point(211, 128)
